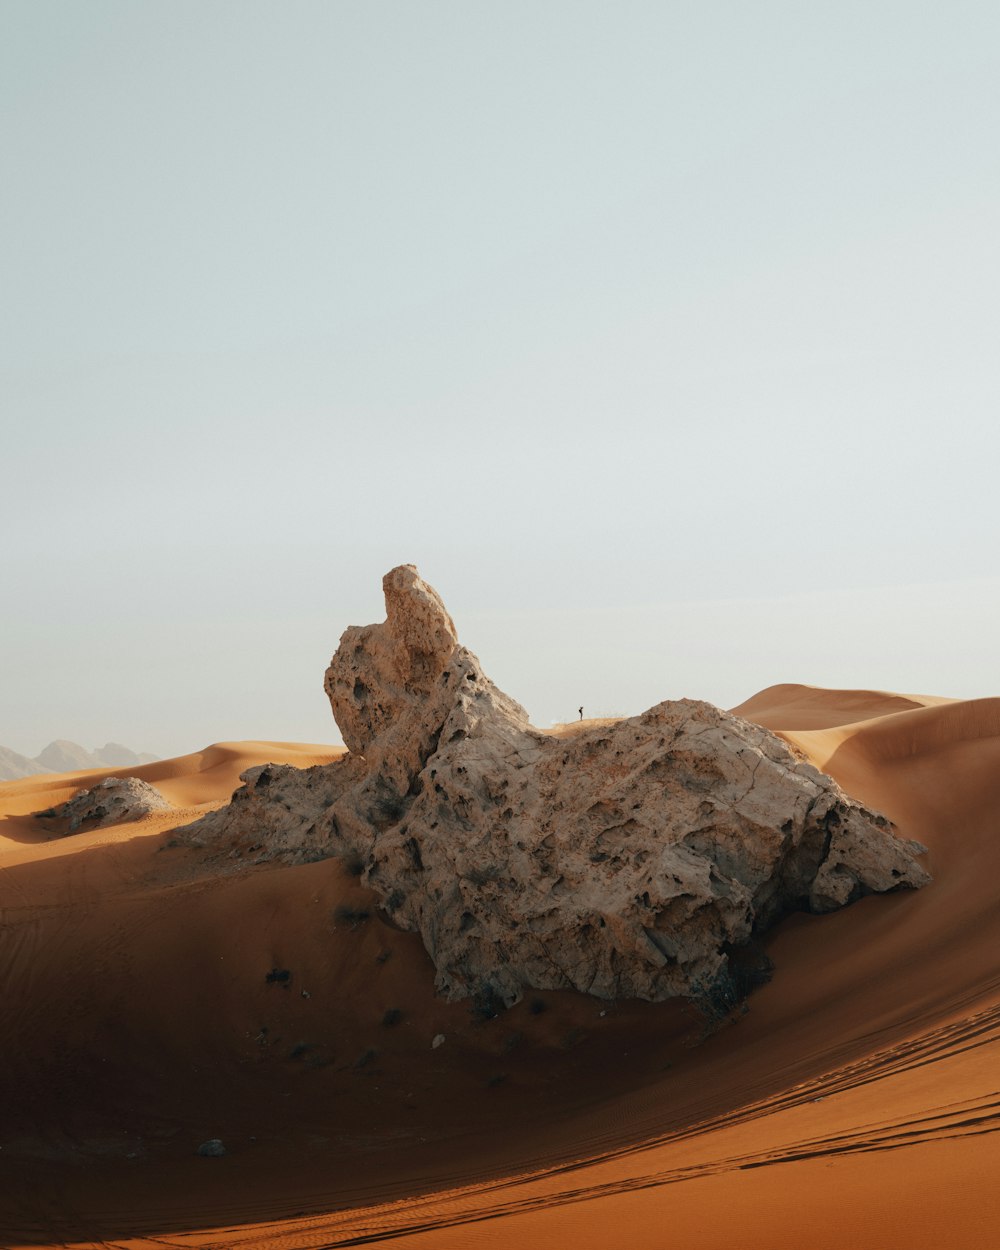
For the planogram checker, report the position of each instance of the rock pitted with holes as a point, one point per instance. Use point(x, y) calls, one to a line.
point(628, 860)
point(113, 801)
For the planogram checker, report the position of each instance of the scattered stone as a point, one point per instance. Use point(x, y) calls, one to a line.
point(438, 1041)
point(353, 916)
point(626, 861)
point(113, 801)
point(212, 1149)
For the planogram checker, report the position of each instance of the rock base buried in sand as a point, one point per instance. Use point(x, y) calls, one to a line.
point(112, 801)
point(628, 860)
point(212, 1149)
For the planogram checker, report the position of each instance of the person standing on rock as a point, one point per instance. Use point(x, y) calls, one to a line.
point(581, 713)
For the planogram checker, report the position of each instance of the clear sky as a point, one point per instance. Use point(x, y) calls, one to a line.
point(661, 336)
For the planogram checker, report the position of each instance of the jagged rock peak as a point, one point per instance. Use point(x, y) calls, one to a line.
point(629, 860)
point(380, 670)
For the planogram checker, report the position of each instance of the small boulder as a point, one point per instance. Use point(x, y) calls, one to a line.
point(113, 801)
point(212, 1149)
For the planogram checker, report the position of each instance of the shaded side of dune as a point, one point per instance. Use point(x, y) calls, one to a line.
point(861, 1081)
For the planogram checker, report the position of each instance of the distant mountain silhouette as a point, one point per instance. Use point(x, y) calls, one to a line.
point(62, 756)
point(13, 765)
point(65, 757)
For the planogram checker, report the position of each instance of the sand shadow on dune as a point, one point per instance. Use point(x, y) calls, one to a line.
point(145, 1007)
point(150, 1010)
point(32, 830)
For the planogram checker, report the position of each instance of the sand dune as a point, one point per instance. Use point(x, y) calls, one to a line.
point(791, 706)
point(855, 1104)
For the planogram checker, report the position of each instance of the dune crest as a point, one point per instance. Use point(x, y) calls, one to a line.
point(791, 706)
point(628, 861)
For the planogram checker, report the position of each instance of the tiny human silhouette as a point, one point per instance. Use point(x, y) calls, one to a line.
point(581, 713)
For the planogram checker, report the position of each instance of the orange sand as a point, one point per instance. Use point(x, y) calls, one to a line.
point(855, 1104)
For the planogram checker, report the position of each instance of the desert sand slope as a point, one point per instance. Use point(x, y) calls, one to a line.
point(791, 706)
point(857, 1102)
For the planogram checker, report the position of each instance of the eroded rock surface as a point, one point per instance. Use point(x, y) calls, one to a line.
point(112, 801)
point(628, 860)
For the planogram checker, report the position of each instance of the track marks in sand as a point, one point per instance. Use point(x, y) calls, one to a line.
point(709, 1148)
point(864, 1081)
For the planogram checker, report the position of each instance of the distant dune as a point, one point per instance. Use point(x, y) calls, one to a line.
point(65, 757)
point(155, 999)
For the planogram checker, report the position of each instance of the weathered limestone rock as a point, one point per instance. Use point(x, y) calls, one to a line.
point(628, 860)
point(112, 801)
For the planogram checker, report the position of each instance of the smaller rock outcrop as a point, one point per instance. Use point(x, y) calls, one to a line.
point(113, 801)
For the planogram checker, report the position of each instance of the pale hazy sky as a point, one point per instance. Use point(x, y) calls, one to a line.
point(662, 337)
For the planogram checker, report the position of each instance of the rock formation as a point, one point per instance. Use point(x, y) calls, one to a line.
point(112, 801)
point(628, 860)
